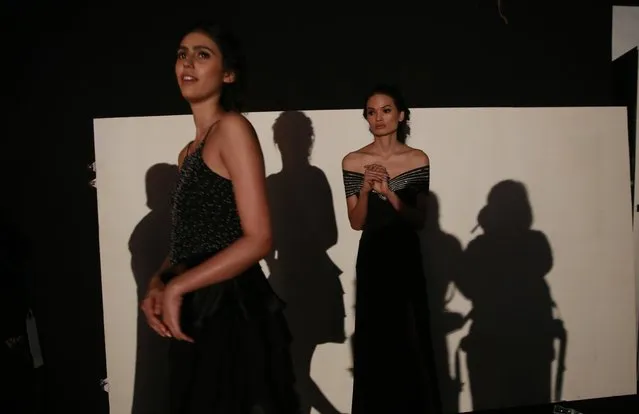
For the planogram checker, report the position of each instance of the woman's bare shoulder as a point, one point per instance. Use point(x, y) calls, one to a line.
point(353, 161)
point(233, 122)
point(416, 157)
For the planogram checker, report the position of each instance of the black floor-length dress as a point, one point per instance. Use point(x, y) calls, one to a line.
point(393, 366)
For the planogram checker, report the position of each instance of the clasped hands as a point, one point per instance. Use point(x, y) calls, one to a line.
point(376, 178)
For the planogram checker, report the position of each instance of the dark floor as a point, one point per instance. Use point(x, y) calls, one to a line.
point(613, 405)
point(28, 395)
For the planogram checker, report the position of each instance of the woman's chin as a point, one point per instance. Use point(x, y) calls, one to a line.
point(193, 98)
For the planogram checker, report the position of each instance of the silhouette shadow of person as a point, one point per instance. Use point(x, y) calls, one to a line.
point(149, 246)
point(509, 347)
point(442, 254)
point(301, 271)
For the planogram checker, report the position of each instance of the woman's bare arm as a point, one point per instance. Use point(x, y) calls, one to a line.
point(357, 205)
point(242, 157)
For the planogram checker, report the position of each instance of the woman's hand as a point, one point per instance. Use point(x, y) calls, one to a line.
point(380, 183)
point(171, 307)
point(152, 307)
point(382, 187)
point(374, 175)
point(367, 186)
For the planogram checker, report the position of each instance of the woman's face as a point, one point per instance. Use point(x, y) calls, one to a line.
point(382, 115)
point(199, 68)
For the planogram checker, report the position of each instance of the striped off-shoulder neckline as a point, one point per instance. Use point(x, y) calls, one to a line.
point(398, 176)
point(415, 176)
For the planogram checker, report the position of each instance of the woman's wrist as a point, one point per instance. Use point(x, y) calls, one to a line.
point(156, 282)
point(178, 285)
point(393, 199)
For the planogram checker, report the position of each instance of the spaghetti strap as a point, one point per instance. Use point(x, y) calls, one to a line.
point(208, 131)
point(188, 148)
point(202, 142)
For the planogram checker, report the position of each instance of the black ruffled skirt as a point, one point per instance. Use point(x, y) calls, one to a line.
point(240, 361)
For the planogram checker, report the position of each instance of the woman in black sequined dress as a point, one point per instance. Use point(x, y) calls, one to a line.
point(387, 185)
point(229, 340)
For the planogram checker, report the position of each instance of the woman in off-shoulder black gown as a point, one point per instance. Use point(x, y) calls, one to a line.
point(229, 350)
point(387, 185)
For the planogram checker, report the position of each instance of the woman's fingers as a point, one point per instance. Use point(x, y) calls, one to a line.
point(182, 336)
point(157, 307)
point(171, 305)
point(176, 331)
point(377, 175)
point(149, 307)
point(376, 168)
point(160, 328)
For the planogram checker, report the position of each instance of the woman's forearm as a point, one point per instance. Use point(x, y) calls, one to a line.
point(155, 281)
point(228, 263)
point(357, 216)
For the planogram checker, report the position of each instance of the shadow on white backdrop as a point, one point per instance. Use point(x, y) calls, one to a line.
point(543, 168)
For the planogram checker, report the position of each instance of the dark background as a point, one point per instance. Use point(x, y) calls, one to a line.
point(67, 64)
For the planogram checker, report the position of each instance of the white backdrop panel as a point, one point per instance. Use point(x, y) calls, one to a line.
point(558, 153)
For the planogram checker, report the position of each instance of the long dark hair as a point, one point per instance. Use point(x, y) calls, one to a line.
point(233, 60)
point(392, 91)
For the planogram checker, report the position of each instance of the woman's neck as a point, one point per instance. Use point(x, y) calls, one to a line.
point(386, 144)
point(205, 114)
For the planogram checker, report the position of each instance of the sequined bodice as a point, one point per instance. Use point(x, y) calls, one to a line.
point(204, 217)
